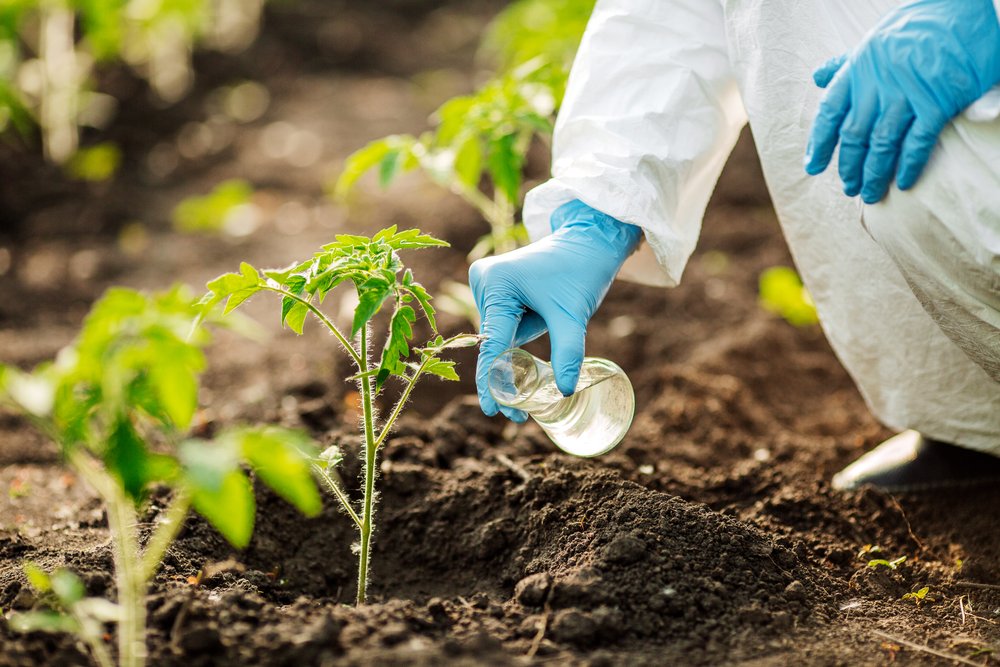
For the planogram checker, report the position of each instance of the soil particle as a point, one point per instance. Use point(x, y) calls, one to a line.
point(533, 589)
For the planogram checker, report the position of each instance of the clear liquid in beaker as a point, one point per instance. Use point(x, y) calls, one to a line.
point(589, 423)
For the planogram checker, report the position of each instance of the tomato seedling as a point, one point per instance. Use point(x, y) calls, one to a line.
point(119, 402)
point(373, 266)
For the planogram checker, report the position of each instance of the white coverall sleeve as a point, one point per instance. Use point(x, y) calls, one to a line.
point(651, 113)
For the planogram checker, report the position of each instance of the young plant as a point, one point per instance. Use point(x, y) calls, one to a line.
point(119, 402)
point(486, 134)
point(373, 266)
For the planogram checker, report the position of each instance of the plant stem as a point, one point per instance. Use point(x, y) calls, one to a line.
point(165, 533)
point(367, 521)
point(100, 652)
point(122, 523)
point(399, 404)
point(326, 322)
point(335, 489)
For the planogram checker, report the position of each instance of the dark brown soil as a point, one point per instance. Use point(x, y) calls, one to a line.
point(709, 536)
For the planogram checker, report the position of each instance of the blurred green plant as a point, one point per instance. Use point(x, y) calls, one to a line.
point(119, 402)
point(373, 266)
point(50, 50)
point(781, 292)
point(480, 142)
point(95, 163)
point(210, 213)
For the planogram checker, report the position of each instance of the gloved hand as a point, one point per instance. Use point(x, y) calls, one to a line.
point(556, 284)
point(888, 100)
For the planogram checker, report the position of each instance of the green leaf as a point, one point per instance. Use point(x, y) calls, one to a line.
point(236, 287)
point(281, 459)
point(125, 458)
point(424, 298)
point(331, 457)
point(371, 295)
point(176, 387)
point(459, 341)
point(43, 621)
point(293, 313)
point(67, 587)
point(359, 162)
point(469, 162)
point(412, 239)
point(389, 166)
point(505, 167)
point(397, 347)
point(229, 507)
point(221, 491)
point(442, 369)
point(37, 577)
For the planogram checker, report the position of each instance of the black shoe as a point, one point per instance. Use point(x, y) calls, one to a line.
point(910, 462)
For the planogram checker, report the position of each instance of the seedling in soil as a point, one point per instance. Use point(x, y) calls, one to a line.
point(373, 266)
point(919, 596)
point(119, 402)
point(891, 564)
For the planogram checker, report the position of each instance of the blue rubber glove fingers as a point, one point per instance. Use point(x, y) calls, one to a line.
point(921, 138)
point(501, 314)
point(924, 63)
point(824, 73)
point(855, 133)
point(886, 143)
point(825, 134)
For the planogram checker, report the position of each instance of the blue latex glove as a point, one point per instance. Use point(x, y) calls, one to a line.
point(554, 284)
point(888, 100)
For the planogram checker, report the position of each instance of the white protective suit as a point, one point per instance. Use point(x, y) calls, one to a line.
point(657, 97)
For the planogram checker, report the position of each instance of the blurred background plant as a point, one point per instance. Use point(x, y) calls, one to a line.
point(52, 50)
point(479, 143)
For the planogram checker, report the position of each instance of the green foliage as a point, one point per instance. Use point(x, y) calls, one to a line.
point(210, 212)
point(118, 401)
point(891, 564)
point(131, 379)
point(918, 596)
point(373, 267)
point(67, 609)
point(155, 39)
point(530, 29)
point(781, 291)
point(484, 138)
point(95, 163)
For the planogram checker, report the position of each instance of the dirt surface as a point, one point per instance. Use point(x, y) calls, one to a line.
point(709, 536)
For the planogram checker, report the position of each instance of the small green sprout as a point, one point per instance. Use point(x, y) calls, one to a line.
point(119, 402)
point(918, 596)
point(373, 267)
point(782, 292)
point(891, 564)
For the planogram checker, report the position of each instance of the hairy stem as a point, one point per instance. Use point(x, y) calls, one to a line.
point(400, 403)
point(122, 523)
point(335, 489)
point(165, 533)
point(367, 518)
point(326, 322)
